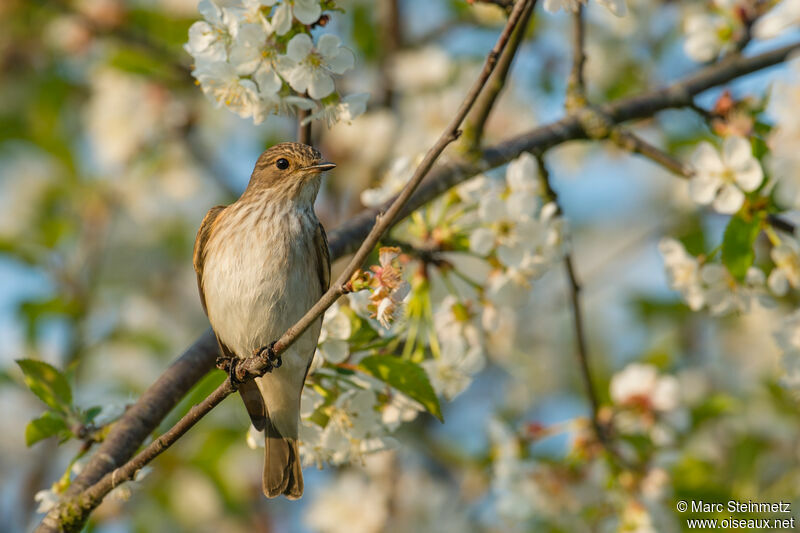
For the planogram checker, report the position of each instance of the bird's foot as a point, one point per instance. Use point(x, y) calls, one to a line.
point(268, 354)
point(233, 363)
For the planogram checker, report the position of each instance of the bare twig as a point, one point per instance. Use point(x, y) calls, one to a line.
point(578, 322)
point(303, 130)
point(391, 40)
point(72, 513)
point(576, 85)
point(476, 121)
point(632, 143)
point(127, 434)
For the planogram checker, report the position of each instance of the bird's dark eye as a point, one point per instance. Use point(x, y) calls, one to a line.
point(282, 163)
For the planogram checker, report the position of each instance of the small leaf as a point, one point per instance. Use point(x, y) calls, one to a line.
point(48, 383)
point(47, 425)
point(737, 245)
point(405, 376)
point(89, 415)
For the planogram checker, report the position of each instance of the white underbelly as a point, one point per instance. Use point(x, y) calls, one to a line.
point(255, 289)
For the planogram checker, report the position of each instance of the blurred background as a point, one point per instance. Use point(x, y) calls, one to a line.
point(110, 156)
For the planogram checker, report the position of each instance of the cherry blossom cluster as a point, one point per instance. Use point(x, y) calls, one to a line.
point(715, 27)
point(750, 174)
point(258, 57)
point(648, 415)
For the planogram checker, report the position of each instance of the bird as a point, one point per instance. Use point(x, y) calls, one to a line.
point(261, 263)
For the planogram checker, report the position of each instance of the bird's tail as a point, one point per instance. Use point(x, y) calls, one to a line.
point(282, 469)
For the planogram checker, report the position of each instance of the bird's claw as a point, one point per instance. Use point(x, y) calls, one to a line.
point(233, 363)
point(273, 360)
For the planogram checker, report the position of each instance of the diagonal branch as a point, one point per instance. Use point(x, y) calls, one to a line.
point(476, 121)
point(127, 434)
point(72, 514)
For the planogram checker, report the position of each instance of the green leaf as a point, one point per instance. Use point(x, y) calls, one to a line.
point(89, 415)
point(47, 425)
point(737, 244)
point(48, 383)
point(405, 376)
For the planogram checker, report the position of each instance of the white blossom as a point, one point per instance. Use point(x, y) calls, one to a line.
point(350, 505)
point(400, 171)
point(462, 352)
point(723, 180)
point(307, 68)
point(526, 234)
point(788, 339)
point(209, 38)
point(398, 410)
point(703, 36)
point(683, 272)
point(223, 86)
point(641, 385)
point(353, 429)
point(336, 329)
point(305, 11)
point(786, 273)
point(780, 18)
point(723, 294)
point(784, 157)
point(344, 110)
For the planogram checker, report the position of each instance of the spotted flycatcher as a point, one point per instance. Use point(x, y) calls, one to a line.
point(261, 263)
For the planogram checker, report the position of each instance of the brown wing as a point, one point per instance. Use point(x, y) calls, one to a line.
point(323, 258)
point(200, 242)
point(323, 267)
point(249, 391)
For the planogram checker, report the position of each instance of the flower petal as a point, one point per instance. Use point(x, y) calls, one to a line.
point(282, 19)
point(299, 47)
point(703, 187)
point(320, 84)
point(729, 199)
point(341, 62)
point(481, 241)
point(335, 350)
point(749, 175)
point(307, 11)
point(736, 151)
point(706, 159)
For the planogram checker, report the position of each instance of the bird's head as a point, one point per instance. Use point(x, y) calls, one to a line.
point(289, 170)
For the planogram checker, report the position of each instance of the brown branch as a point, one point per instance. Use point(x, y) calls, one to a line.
point(476, 121)
point(72, 514)
point(576, 85)
point(303, 130)
point(128, 433)
point(391, 39)
point(582, 351)
point(632, 143)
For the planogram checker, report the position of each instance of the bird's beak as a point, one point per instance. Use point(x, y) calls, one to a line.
point(320, 167)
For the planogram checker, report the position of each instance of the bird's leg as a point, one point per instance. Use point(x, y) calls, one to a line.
point(272, 358)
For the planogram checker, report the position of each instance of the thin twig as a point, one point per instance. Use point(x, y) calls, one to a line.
point(391, 38)
point(72, 514)
point(577, 313)
point(303, 130)
point(576, 85)
point(632, 143)
point(476, 121)
point(127, 434)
